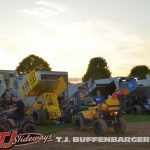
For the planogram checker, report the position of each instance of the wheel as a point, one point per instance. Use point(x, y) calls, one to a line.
point(39, 116)
point(137, 110)
point(68, 117)
point(29, 128)
point(99, 127)
point(79, 122)
point(120, 125)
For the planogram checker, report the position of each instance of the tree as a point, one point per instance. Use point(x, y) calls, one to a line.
point(140, 71)
point(97, 69)
point(32, 62)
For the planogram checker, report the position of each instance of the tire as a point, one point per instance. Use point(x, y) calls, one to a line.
point(68, 117)
point(39, 116)
point(99, 127)
point(137, 110)
point(28, 128)
point(120, 126)
point(79, 122)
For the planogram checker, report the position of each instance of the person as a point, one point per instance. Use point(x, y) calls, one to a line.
point(76, 98)
point(99, 99)
point(16, 111)
point(6, 96)
point(80, 97)
point(65, 105)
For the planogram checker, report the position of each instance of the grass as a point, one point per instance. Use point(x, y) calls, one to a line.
point(51, 127)
point(137, 118)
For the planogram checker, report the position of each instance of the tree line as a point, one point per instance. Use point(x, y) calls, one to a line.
point(97, 68)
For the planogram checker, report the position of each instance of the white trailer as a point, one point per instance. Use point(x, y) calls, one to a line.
point(10, 80)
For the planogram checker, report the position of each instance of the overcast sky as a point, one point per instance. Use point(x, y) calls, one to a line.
point(67, 33)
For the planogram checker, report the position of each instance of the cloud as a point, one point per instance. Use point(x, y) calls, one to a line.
point(58, 6)
point(45, 9)
point(41, 12)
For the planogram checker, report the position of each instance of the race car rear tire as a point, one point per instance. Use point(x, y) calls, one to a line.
point(137, 110)
point(39, 116)
point(29, 128)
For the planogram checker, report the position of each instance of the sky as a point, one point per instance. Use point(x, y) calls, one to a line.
point(68, 33)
